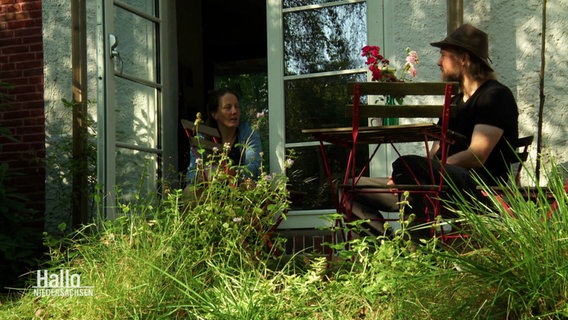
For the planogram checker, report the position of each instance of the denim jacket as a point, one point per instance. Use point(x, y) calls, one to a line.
point(249, 140)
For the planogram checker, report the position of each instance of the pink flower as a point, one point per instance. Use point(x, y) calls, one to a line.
point(411, 61)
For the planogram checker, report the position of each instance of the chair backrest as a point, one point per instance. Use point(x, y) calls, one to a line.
point(441, 110)
point(522, 154)
point(211, 135)
point(403, 90)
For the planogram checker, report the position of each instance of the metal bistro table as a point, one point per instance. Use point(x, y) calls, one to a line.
point(390, 135)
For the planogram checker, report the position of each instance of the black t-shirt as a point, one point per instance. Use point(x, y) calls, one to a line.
point(492, 104)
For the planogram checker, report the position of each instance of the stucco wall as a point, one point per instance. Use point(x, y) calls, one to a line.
point(58, 86)
point(514, 29)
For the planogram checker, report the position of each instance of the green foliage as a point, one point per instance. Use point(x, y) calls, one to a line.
point(514, 262)
point(189, 258)
point(19, 243)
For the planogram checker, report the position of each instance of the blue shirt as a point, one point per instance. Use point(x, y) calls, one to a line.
point(250, 146)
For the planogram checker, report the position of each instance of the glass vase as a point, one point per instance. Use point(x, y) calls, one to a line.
point(390, 101)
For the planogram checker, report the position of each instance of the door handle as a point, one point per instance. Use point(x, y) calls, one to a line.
point(113, 40)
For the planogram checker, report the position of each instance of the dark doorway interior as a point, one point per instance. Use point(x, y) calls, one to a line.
point(215, 38)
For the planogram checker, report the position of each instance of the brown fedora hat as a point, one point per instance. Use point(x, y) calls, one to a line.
point(469, 38)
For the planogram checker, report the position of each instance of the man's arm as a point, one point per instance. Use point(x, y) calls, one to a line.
point(483, 140)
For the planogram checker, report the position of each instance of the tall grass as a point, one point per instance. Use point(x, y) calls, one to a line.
point(175, 260)
point(515, 261)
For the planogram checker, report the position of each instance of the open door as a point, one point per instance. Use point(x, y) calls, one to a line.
point(131, 116)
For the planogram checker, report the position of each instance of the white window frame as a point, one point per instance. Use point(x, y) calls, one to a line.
point(376, 27)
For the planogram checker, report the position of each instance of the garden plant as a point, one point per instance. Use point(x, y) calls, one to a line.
point(208, 259)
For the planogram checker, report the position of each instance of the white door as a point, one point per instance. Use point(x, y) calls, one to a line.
point(131, 115)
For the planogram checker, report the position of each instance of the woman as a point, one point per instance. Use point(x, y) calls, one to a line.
point(224, 113)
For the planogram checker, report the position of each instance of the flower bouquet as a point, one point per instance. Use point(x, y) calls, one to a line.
point(381, 71)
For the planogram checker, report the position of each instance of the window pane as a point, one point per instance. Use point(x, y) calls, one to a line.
point(326, 39)
point(146, 6)
point(136, 120)
point(136, 173)
point(308, 179)
point(136, 45)
point(299, 3)
point(317, 103)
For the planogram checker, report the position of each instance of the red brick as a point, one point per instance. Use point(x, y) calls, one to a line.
point(8, 76)
point(12, 123)
point(36, 80)
point(35, 14)
point(5, 140)
point(16, 16)
point(36, 121)
point(21, 23)
point(36, 47)
point(40, 153)
point(11, 41)
point(5, 33)
point(29, 32)
point(29, 65)
point(22, 57)
point(26, 132)
point(36, 108)
point(7, 66)
point(14, 147)
point(22, 88)
point(31, 5)
point(33, 72)
point(21, 64)
point(16, 82)
point(33, 38)
point(30, 96)
point(29, 130)
point(14, 49)
point(15, 114)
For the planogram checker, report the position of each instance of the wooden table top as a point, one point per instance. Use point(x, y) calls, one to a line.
point(382, 134)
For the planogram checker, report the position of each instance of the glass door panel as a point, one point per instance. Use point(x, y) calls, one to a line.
point(324, 39)
point(317, 102)
point(130, 148)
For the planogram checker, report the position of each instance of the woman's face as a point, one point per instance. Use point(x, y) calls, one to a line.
point(228, 113)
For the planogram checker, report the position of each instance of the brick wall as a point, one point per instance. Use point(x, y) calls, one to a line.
point(22, 112)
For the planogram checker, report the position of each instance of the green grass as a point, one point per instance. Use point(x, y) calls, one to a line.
point(174, 261)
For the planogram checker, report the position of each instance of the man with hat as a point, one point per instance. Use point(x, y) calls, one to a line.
point(487, 116)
